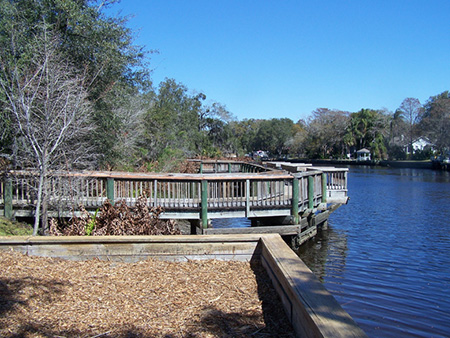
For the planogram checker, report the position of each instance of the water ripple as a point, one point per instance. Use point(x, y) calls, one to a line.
point(385, 256)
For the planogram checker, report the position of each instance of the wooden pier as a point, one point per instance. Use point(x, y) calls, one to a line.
point(290, 200)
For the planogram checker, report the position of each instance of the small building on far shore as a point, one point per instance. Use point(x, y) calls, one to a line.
point(419, 144)
point(363, 155)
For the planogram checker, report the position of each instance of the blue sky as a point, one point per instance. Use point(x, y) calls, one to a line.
point(274, 59)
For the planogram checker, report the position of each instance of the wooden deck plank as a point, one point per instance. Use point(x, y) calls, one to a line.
point(283, 230)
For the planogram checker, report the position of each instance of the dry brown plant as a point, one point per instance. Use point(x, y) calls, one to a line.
point(118, 220)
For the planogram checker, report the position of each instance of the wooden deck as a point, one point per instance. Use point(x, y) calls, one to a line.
point(222, 190)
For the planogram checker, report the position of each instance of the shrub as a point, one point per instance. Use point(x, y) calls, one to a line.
point(118, 219)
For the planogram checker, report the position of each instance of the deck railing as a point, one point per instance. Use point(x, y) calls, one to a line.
point(222, 167)
point(188, 196)
point(336, 179)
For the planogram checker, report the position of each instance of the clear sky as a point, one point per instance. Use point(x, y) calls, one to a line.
point(274, 59)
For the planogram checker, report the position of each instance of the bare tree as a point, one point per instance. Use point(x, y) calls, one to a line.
point(326, 129)
point(411, 110)
point(131, 114)
point(46, 97)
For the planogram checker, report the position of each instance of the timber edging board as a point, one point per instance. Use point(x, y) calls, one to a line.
point(311, 309)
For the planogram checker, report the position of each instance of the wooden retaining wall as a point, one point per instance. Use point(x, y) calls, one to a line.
point(312, 310)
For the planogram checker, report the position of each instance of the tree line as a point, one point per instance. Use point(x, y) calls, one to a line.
point(76, 93)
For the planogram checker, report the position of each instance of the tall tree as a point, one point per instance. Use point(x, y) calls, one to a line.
point(326, 129)
point(245, 133)
point(435, 122)
point(297, 144)
point(370, 128)
point(216, 136)
point(130, 115)
point(99, 45)
point(398, 128)
point(172, 123)
point(272, 135)
point(45, 95)
point(411, 109)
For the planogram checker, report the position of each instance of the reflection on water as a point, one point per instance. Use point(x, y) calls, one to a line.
point(315, 252)
point(385, 255)
point(230, 223)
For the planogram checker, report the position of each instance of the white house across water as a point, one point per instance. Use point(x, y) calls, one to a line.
point(363, 155)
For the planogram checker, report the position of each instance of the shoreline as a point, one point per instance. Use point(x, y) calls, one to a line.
point(434, 165)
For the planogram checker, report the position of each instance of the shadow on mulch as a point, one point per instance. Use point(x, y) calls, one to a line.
point(11, 288)
point(212, 322)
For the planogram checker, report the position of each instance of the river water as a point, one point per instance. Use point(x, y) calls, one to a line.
point(386, 254)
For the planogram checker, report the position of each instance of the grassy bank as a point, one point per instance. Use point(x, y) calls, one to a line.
point(11, 228)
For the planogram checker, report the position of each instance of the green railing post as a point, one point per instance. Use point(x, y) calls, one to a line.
point(7, 197)
point(295, 199)
point(229, 167)
point(204, 204)
point(324, 188)
point(201, 167)
point(310, 192)
point(110, 190)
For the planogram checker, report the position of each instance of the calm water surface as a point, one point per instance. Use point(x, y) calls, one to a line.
point(386, 254)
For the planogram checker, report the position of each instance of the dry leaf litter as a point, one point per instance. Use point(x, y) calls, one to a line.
point(49, 297)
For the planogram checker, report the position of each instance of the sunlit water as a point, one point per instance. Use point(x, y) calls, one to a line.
point(386, 255)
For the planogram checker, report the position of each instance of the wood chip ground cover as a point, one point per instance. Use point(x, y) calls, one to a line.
point(48, 297)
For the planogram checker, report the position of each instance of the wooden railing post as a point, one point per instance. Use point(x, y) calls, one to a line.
point(155, 193)
point(310, 192)
point(324, 188)
point(204, 215)
point(7, 197)
point(295, 200)
point(110, 190)
point(247, 198)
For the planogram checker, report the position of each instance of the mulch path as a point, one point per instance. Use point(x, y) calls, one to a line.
point(49, 297)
